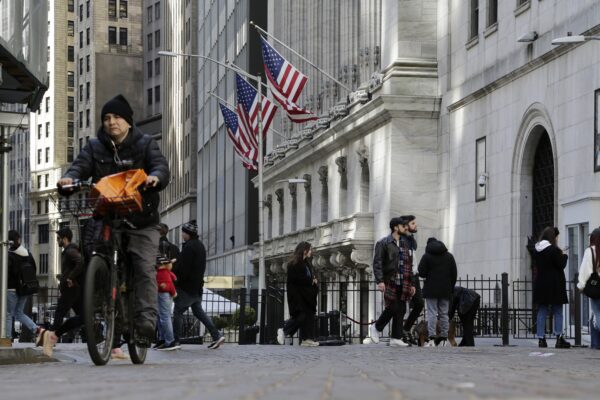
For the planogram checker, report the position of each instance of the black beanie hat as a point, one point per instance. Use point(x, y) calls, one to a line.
point(190, 228)
point(120, 106)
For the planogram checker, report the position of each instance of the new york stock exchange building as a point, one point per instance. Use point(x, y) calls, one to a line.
point(467, 117)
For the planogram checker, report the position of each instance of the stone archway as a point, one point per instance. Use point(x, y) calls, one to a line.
point(534, 156)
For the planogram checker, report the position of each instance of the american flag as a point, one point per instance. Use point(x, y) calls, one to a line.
point(247, 108)
point(247, 154)
point(285, 82)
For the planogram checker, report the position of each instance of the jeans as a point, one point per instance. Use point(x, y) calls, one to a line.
point(394, 311)
point(416, 305)
point(542, 313)
point(14, 308)
point(595, 303)
point(305, 321)
point(165, 324)
point(437, 308)
point(185, 300)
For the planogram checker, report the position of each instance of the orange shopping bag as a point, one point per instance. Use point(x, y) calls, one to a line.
point(118, 192)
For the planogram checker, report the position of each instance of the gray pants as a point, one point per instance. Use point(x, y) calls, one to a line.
point(437, 308)
point(142, 248)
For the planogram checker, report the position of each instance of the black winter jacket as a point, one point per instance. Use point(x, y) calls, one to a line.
point(549, 286)
point(100, 158)
point(464, 301)
point(71, 266)
point(16, 257)
point(168, 249)
point(438, 268)
point(191, 267)
point(301, 293)
point(386, 258)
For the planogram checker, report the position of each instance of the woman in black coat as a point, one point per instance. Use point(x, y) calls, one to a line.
point(549, 287)
point(302, 292)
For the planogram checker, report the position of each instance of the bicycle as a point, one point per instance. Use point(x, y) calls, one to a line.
point(108, 290)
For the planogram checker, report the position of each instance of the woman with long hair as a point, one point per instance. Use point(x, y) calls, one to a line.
point(302, 292)
point(589, 264)
point(549, 287)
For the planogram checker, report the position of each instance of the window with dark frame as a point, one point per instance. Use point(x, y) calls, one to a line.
point(149, 40)
point(71, 53)
point(149, 10)
point(81, 40)
point(80, 92)
point(70, 104)
point(492, 12)
point(87, 63)
point(480, 170)
point(474, 19)
point(123, 9)
point(157, 67)
point(39, 131)
point(81, 12)
point(157, 11)
point(70, 28)
point(70, 154)
point(70, 79)
point(71, 6)
point(112, 35)
point(81, 66)
point(87, 90)
point(47, 129)
point(123, 36)
point(80, 119)
point(149, 93)
point(87, 36)
point(112, 9)
point(70, 129)
point(149, 68)
point(87, 118)
point(47, 104)
point(43, 233)
point(87, 8)
point(157, 39)
point(157, 94)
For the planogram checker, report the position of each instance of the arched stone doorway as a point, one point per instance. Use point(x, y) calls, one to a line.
point(543, 200)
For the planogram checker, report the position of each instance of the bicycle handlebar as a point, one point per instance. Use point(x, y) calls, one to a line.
point(76, 185)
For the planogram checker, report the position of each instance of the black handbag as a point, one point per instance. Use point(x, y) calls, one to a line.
point(592, 286)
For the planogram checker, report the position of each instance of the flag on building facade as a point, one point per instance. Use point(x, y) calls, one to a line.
point(285, 82)
point(248, 154)
point(247, 108)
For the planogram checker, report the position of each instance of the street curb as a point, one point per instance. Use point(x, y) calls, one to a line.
point(12, 356)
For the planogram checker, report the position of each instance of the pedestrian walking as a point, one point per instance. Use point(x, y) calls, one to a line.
point(166, 293)
point(416, 302)
point(302, 289)
point(21, 266)
point(190, 284)
point(466, 303)
point(165, 247)
point(589, 281)
point(438, 268)
point(71, 292)
point(549, 287)
point(393, 271)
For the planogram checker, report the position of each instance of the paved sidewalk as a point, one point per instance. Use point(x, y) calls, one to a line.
point(292, 372)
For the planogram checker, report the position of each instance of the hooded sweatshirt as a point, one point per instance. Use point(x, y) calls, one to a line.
point(438, 268)
point(15, 258)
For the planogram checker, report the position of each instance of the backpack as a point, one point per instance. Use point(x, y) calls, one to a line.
point(28, 283)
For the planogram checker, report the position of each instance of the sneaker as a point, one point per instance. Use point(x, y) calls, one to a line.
point(39, 339)
point(542, 343)
point(217, 343)
point(158, 344)
point(374, 333)
point(118, 354)
point(280, 336)
point(309, 343)
point(409, 338)
point(169, 347)
point(398, 343)
point(561, 343)
point(49, 340)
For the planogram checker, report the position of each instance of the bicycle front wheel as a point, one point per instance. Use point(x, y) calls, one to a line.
point(99, 306)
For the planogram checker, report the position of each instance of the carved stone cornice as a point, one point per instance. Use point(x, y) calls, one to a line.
point(323, 174)
point(279, 195)
point(342, 164)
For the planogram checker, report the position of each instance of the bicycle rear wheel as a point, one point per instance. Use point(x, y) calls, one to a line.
point(99, 306)
point(136, 352)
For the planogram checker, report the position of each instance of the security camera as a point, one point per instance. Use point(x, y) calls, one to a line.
point(482, 179)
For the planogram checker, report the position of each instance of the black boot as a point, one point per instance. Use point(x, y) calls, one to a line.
point(561, 343)
point(542, 343)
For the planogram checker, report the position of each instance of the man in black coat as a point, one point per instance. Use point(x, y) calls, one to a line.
point(120, 146)
point(466, 302)
point(70, 286)
point(438, 268)
point(166, 248)
point(190, 284)
point(416, 302)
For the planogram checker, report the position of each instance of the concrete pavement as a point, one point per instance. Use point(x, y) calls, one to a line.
point(292, 372)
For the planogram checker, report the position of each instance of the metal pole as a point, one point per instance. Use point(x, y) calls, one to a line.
point(577, 311)
point(261, 30)
point(504, 315)
point(4, 149)
point(261, 241)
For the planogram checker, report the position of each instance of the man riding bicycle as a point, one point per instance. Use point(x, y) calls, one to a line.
point(121, 146)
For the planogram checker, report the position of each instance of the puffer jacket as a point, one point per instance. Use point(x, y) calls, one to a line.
point(438, 267)
point(101, 157)
point(71, 266)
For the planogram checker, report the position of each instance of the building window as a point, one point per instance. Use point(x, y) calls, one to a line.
point(149, 41)
point(81, 66)
point(87, 63)
point(39, 131)
point(80, 119)
point(44, 264)
point(87, 8)
point(81, 40)
point(149, 68)
point(123, 36)
point(474, 20)
point(43, 233)
point(39, 207)
point(70, 129)
point(39, 178)
point(80, 92)
point(480, 170)
point(80, 144)
point(70, 28)
point(157, 10)
point(87, 118)
point(157, 39)
point(70, 79)
point(71, 5)
point(149, 11)
point(70, 154)
point(47, 104)
point(157, 94)
point(47, 129)
point(81, 12)
point(46, 206)
point(70, 104)
point(87, 90)
point(112, 35)
point(71, 53)
point(87, 36)
point(47, 160)
point(492, 12)
point(149, 97)
point(123, 9)
point(112, 9)
point(157, 66)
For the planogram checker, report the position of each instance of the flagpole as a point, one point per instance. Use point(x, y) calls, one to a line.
point(261, 30)
point(232, 107)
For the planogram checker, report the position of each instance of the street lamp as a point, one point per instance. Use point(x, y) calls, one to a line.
point(293, 181)
point(258, 80)
point(573, 39)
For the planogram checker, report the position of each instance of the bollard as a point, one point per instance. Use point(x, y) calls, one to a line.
point(577, 311)
point(504, 315)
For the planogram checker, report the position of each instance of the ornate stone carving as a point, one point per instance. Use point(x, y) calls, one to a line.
point(292, 187)
point(323, 171)
point(338, 259)
point(279, 195)
point(360, 258)
point(341, 162)
point(363, 156)
point(307, 184)
point(268, 202)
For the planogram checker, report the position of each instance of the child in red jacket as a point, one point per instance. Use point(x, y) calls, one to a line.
point(166, 293)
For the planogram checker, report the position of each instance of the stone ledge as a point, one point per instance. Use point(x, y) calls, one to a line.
point(12, 356)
